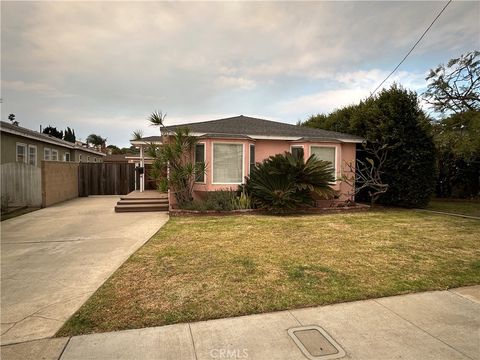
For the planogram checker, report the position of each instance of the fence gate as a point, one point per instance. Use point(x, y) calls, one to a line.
point(105, 179)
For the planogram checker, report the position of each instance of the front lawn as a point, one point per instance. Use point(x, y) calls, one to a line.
point(198, 268)
point(463, 207)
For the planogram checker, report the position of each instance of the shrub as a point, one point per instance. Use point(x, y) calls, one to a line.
point(176, 155)
point(285, 182)
point(220, 200)
point(242, 202)
point(392, 118)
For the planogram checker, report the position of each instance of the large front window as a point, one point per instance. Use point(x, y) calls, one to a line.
point(324, 153)
point(227, 163)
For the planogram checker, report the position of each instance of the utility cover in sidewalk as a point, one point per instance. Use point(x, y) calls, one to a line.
point(315, 343)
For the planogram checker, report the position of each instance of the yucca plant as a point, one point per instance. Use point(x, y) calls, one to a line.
point(285, 182)
point(175, 153)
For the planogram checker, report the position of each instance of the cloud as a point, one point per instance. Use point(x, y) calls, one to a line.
point(38, 88)
point(349, 88)
point(104, 66)
point(235, 82)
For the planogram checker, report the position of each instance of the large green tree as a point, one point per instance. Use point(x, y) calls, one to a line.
point(455, 87)
point(392, 118)
point(457, 139)
point(69, 135)
point(453, 90)
point(96, 140)
point(52, 131)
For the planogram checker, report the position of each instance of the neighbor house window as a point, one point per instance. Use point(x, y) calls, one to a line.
point(252, 157)
point(21, 153)
point(227, 163)
point(66, 157)
point(47, 154)
point(88, 158)
point(32, 154)
point(200, 158)
point(94, 159)
point(297, 151)
point(324, 153)
point(79, 158)
point(54, 155)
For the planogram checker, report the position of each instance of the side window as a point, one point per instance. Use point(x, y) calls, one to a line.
point(297, 151)
point(32, 154)
point(200, 158)
point(47, 154)
point(21, 153)
point(80, 158)
point(252, 157)
point(88, 158)
point(54, 155)
point(66, 157)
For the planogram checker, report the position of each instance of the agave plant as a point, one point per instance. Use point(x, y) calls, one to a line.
point(284, 182)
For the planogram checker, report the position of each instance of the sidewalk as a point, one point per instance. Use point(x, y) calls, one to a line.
point(431, 325)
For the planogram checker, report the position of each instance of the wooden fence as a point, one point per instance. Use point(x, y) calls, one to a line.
point(105, 179)
point(21, 184)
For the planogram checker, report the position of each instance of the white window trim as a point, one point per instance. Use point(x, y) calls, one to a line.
point(36, 154)
point(49, 156)
point(338, 172)
point(204, 157)
point(25, 153)
point(243, 161)
point(65, 156)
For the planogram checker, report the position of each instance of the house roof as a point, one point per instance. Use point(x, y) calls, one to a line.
point(21, 131)
point(152, 138)
point(250, 127)
point(115, 158)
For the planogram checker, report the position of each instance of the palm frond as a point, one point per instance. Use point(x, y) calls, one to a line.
point(157, 118)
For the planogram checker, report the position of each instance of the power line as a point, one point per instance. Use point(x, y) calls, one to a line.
point(413, 47)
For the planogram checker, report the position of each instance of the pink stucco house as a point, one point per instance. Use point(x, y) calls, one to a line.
point(231, 146)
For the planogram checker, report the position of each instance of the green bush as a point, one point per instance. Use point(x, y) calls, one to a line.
point(220, 200)
point(285, 182)
point(392, 118)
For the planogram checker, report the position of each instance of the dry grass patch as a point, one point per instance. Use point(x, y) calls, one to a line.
point(198, 268)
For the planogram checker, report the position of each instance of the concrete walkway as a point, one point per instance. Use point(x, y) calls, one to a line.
point(431, 325)
point(53, 259)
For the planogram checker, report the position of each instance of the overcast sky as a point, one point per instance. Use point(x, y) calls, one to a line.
point(103, 67)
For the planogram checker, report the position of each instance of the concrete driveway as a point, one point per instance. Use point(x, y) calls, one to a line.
point(53, 259)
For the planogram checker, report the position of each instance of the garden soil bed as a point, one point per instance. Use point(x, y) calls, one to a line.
point(312, 210)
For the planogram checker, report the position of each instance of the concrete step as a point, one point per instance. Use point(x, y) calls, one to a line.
point(143, 201)
point(161, 197)
point(141, 207)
